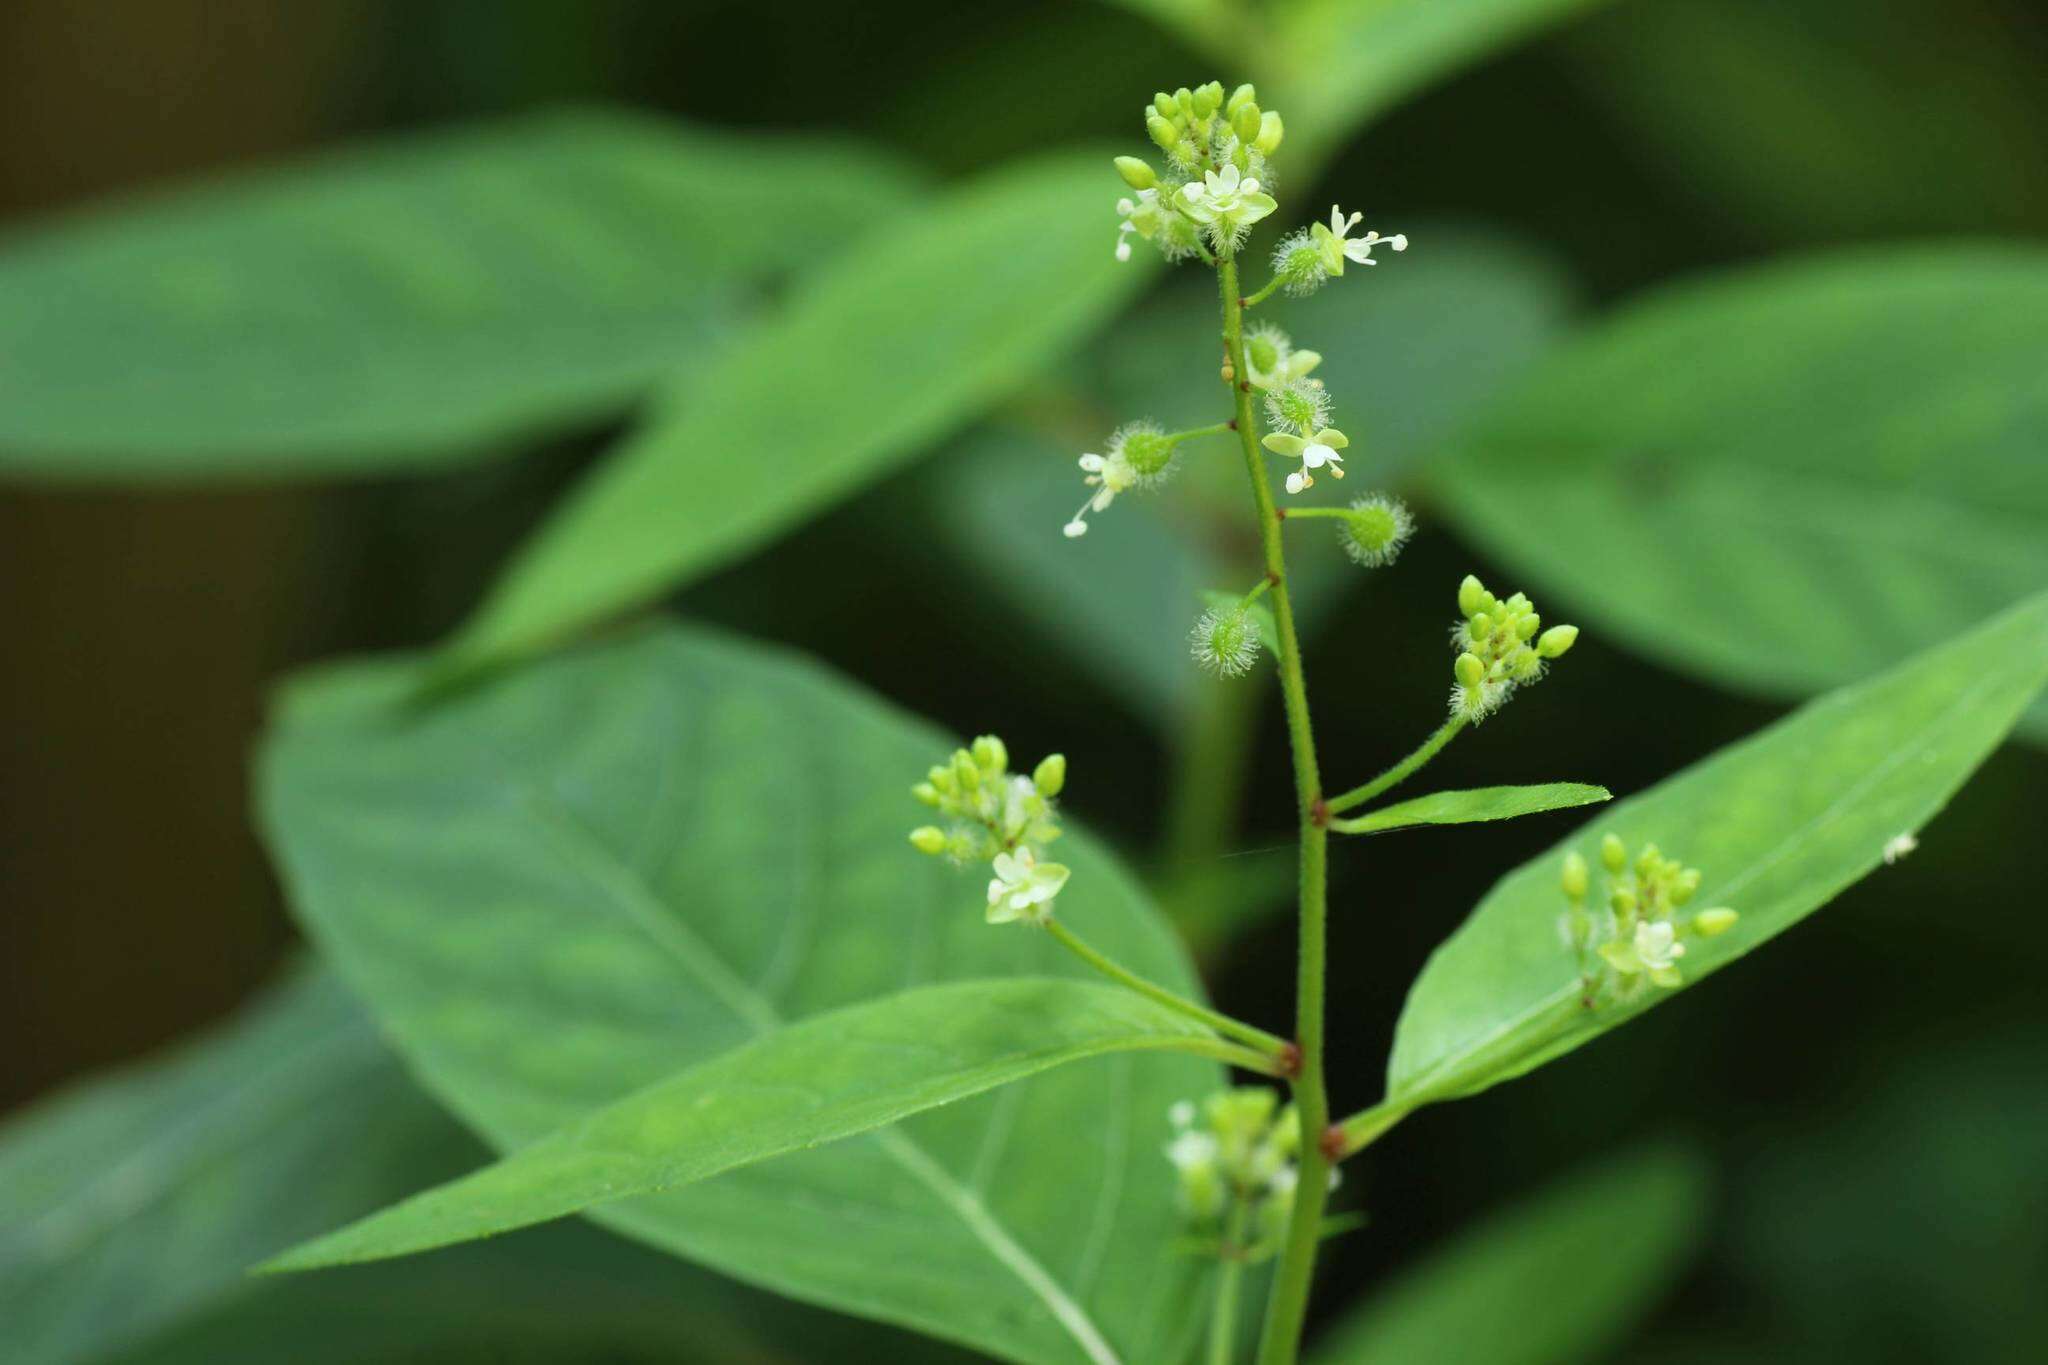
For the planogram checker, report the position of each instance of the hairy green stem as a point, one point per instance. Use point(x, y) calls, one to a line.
point(1402, 771)
point(1216, 430)
point(1270, 1048)
point(1265, 293)
point(1287, 1308)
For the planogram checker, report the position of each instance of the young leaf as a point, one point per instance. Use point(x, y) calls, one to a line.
point(1560, 1279)
point(822, 1080)
point(565, 884)
point(132, 1206)
point(1469, 807)
point(1779, 824)
point(885, 350)
point(1790, 516)
point(410, 303)
point(1339, 63)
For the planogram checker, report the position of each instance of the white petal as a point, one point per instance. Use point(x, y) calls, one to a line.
point(1126, 207)
point(1336, 220)
point(1091, 462)
point(1123, 248)
point(1359, 251)
point(1102, 500)
point(1399, 241)
point(1075, 529)
point(1297, 481)
point(1250, 186)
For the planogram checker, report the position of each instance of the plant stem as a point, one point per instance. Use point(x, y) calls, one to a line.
point(1403, 770)
point(1268, 1045)
point(1216, 430)
point(1223, 1315)
point(1297, 513)
point(1287, 1308)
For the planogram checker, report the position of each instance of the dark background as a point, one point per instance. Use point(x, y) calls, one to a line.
point(1874, 1089)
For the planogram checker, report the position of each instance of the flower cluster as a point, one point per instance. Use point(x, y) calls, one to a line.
point(1498, 649)
point(1213, 186)
point(999, 817)
point(1273, 361)
point(1237, 1159)
point(1635, 934)
point(1139, 455)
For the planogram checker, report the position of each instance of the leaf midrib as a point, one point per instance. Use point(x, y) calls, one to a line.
point(648, 912)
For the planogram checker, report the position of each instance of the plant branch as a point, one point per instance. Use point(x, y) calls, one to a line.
point(1223, 1314)
point(1270, 1048)
point(1402, 771)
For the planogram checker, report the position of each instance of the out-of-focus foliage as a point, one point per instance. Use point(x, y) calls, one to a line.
point(1789, 477)
point(882, 352)
point(577, 879)
point(432, 299)
point(1555, 1281)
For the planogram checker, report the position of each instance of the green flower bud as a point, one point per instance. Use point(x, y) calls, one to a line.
point(1685, 885)
point(1243, 95)
point(1264, 354)
point(1557, 640)
point(942, 777)
point(1163, 102)
point(1245, 122)
point(1647, 861)
point(1518, 604)
point(1470, 669)
point(926, 792)
point(991, 754)
point(1139, 175)
point(1623, 901)
point(966, 770)
point(1470, 592)
point(1163, 133)
point(1208, 98)
point(1270, 133)
point(928, 839)
point(1050, 775)
point(1526, 626)
point(1613, 854)
point(1719, 920)
point(1482, 625)
point(1185, 98)
point(1573, 879)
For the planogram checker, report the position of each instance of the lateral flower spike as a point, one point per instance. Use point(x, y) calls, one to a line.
point(1214, 186)
point(1632, 937)
point(1000, 818)
point(1236, 1157)
point(1498, 649)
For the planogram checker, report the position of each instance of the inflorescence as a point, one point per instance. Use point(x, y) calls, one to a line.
point(1633, 934)
point(1498, 649)
point(999, 817)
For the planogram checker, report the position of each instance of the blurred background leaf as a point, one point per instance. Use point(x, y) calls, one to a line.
point(1787, 477)
point(885, 350)
point(405, 304)
point(1557, 1279)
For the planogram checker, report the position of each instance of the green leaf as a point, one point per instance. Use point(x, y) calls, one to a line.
point(415, 302)
point(841, 1073)
point(1470, 807)
point(1337, 64)
point(883, 352)
point(131, 1207)
point(1560, 1279)
point(1260, 611)
point(1779, 824)
point(1791, 513)
point(569, 882)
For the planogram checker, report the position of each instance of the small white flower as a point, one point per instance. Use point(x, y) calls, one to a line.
point(1108, 475)
point(1142, 215)
point(1023, 888)
point(1317, 450)
point(1226, 201)
point(1898, 846)
point(1336, 248)
point(1181, 1114)
point(1192, 1151)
